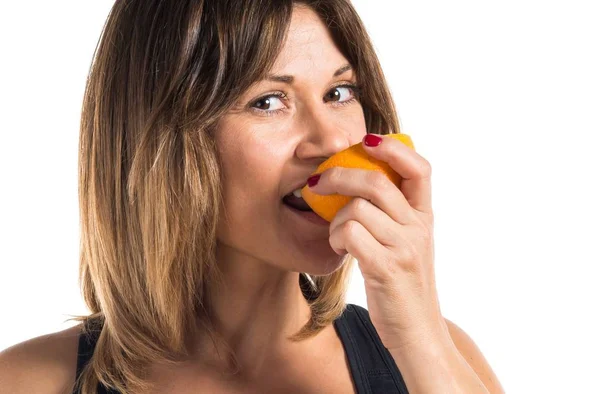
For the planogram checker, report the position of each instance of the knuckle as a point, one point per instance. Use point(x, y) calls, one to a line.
point(408, 259)
point(378, 181)
point(335, 175)
point(425, 169)
point(358, 205)
point(350, 228)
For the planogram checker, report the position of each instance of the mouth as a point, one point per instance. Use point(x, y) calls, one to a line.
point(295, 201)
point(296, 204)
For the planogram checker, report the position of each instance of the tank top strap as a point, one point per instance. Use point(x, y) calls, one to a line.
point(372, 366)
point(88, 337)
point(85, 348)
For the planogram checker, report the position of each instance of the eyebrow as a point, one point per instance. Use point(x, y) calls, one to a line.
point(289, 79)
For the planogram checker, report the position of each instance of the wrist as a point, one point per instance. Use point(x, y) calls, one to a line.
point(434, 349)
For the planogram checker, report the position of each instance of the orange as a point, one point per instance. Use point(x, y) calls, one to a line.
point(326, 206)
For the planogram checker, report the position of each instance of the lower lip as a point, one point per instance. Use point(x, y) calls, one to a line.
point(309, 216)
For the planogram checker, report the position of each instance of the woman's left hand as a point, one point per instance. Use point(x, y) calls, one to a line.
point(389, 230)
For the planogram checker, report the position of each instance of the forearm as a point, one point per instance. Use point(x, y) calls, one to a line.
point(437, 369)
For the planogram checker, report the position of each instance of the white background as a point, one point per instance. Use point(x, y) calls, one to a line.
point(503, 98)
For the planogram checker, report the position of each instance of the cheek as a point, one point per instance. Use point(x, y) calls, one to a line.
point(252, 159)
point(351, 120)
point(356, 118)
point(251, 192)
point(252, 174)
point(257, 160)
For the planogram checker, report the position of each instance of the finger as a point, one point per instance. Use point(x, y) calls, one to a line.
point(353, 237)
point(373, 186)
point(383, 229)
point(414, 169)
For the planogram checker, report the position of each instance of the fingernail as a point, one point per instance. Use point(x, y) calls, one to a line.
point(313, 180)
point(372, 140)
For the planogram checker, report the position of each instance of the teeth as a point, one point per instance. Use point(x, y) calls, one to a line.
point(297, 193)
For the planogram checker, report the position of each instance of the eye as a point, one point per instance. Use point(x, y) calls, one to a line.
point(342, 93)
point(266, 103)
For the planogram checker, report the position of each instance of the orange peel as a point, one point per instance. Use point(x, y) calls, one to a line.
point(326, 206)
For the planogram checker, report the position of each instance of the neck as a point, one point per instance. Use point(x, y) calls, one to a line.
point(255, 308)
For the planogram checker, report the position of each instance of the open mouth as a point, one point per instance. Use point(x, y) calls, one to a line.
point(295, 201)
point(300, 208)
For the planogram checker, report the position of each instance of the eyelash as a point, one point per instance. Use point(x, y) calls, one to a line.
point(281, 95)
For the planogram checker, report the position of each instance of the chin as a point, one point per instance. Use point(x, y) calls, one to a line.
point(320, 261)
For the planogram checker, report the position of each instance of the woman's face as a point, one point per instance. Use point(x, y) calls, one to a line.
point(270, 144)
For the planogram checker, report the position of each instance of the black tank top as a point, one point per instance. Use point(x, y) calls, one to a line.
point(372, 367)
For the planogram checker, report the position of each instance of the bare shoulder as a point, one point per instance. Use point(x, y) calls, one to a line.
point(472, 354)
point(44, 364)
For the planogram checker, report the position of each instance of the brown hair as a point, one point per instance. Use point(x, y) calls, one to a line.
point(163, 73)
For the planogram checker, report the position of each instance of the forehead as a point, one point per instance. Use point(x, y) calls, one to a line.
point(308, 46)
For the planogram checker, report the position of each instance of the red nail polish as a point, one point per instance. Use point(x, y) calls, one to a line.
point(372, 140)
point(313, 180)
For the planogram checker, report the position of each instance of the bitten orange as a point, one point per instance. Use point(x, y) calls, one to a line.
point(326, 206)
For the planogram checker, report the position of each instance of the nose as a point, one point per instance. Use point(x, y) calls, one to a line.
point(323, 135)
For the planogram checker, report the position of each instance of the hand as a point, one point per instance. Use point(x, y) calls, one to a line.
point(389, 230)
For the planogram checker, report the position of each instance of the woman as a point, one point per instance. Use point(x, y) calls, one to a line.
point(199, 118)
